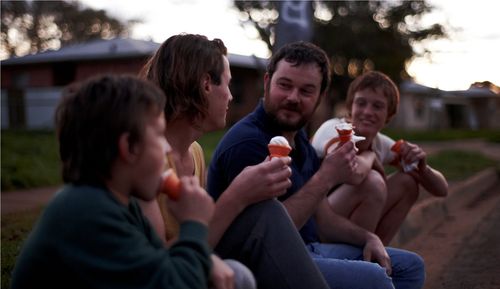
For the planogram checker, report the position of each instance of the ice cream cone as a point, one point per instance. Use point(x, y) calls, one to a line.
point(345, 131)
point(278, 150)
point(171, 184)
point(344, 135)
point(396, 147)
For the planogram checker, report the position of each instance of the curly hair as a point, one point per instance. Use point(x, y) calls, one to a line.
point(302, 52)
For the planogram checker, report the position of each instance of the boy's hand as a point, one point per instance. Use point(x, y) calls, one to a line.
point(374, 251)
point(221, 276)
point(193, 203)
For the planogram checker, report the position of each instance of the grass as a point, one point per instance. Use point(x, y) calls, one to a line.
point(458, 165)
point(29, 159)
point(444, 135)
point(208, 142)
point(15, 229)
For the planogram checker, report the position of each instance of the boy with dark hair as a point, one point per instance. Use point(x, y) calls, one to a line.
point(93, 234)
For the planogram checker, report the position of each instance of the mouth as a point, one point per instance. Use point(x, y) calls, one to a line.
point(365, 122)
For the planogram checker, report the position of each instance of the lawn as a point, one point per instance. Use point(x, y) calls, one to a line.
point(29, 159)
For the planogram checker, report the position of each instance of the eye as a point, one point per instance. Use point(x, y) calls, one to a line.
point(379, 106)
point(360, 102)
point(308, 91)
point(284, 85)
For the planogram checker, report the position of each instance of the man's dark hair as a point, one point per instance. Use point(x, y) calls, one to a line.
point(178, 68)
point(91, 117)
point(300, 53)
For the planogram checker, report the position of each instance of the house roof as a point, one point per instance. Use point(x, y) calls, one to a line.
point(413, 87)
point(114, 48)
point(474, 92)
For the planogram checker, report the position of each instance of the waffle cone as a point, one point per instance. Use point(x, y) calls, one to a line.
point(278, 151)
point(171, 184)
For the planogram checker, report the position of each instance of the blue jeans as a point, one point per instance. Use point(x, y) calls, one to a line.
point(343, 267)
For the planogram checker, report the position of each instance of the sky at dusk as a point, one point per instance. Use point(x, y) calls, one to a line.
point(470, 54)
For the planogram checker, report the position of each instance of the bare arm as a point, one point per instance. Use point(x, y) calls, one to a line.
point(272, 181)
point(152, 212)
point(334, 228)
point(337, 167)
point(432, 180)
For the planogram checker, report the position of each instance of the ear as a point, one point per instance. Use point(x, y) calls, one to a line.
point(125, 149)
point(267, 80)
point(206, 84)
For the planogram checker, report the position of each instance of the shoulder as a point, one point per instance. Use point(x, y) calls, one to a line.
point(381, 145)
point(83, 204)
point(245, 132)
point(197, 151)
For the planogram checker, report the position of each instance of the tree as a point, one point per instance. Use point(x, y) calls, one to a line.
point(36, 26)
point(357, 35)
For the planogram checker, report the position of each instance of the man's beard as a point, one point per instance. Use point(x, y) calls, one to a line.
point(284, 125)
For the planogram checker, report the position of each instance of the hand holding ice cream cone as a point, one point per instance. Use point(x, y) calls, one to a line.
point(396, 148)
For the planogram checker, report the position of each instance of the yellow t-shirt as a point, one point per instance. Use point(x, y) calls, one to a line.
point(171, 224)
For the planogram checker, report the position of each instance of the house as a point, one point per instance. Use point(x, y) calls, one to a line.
point(31, 85)
point(425, 108)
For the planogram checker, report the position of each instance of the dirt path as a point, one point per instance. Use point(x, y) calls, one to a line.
point(462, 250)
point(25, 200)
point(491, 150)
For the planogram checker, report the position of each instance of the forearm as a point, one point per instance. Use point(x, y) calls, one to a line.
point(433, 181)
point(152, 212)
point(226, 210)
point(334, 228)
point(304, 203)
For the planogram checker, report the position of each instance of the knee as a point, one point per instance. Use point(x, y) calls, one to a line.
point(376, 276)
point(243, 277)
point(407, 267)
point(416, 268)
point(410, 186)
point(267, 210)
point(374, 188)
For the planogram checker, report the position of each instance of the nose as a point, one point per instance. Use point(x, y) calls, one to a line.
point(166, 146)
point(293, 96)
point(368, 109)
